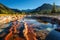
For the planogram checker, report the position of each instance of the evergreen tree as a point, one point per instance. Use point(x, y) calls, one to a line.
point(53, 8)
point(0, 12)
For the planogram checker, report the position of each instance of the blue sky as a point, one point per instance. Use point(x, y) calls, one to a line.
point(27, 4)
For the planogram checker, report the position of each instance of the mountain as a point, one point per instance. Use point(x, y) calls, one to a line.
point(16, 10)
point(41, 9)
point(45, 7)
point(6, 10)
point(27, 10)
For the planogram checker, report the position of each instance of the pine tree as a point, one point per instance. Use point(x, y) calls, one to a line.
point(53, 8)
point(0, 11)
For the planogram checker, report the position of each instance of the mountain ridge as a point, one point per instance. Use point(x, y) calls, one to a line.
point(44, 7)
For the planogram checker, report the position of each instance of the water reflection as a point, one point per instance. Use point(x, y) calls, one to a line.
point(41, 28)
point(40, 24)
point(45, 30)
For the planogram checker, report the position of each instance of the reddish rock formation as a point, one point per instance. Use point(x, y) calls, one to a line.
point(29, 33)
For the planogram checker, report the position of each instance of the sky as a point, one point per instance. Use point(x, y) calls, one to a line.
point(27, 4)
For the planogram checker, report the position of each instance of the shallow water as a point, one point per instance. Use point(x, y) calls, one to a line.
point(38, 25)
point(52, 35)
point(43, 25)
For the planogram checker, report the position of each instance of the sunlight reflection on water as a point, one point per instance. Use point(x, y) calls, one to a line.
point(40, 24)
